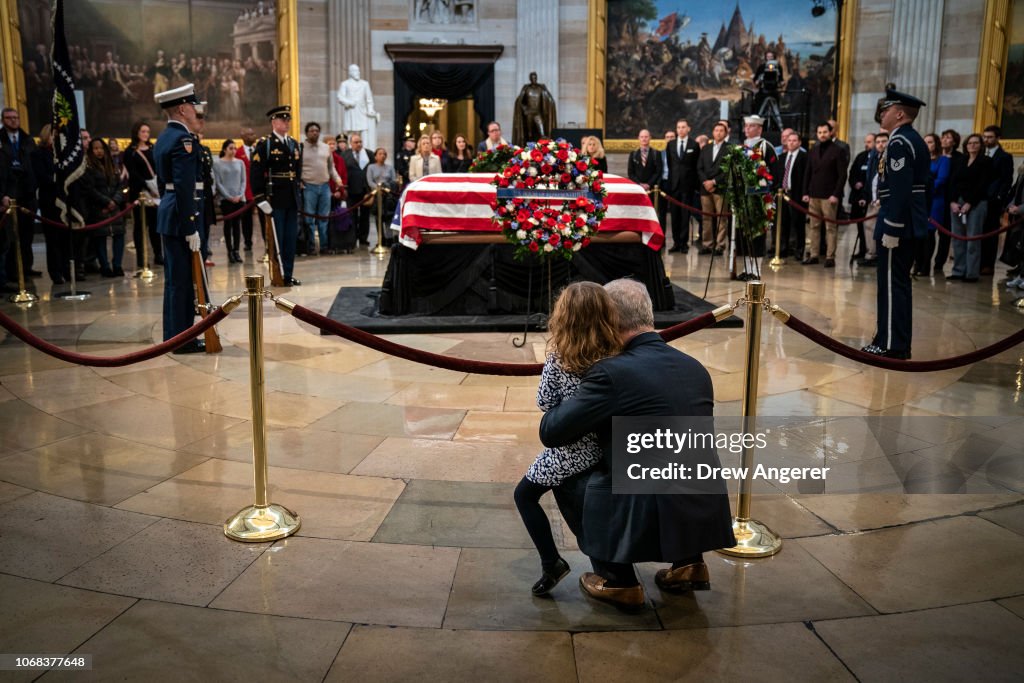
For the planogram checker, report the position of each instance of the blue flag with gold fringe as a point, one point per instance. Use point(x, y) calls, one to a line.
point(68, 152)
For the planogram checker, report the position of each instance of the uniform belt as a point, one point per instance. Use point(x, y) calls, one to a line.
point(285, 176)
point(170, 187)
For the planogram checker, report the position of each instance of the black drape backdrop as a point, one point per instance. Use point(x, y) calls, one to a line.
point(447, 81)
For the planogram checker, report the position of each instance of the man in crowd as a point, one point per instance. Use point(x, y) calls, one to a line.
point(644, 166)
point(711, 175)
point(621, 529)
point(356, 161)
point(276, 167)
point(663, 209)
point(18, 185)
point(493, 138)
point(244, 153)
point(860, 193)
point(682, 183)
point(870, 259)
point(998, 194)
point(176, 156)
point(823, 187)
point(317, 174)
point(402, 158)
point(789, 173)
point(904, 175)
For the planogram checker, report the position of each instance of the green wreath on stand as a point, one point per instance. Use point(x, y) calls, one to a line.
point(748, 192)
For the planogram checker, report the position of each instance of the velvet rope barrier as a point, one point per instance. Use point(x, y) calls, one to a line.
point(479, 367)
point(341, 210)
point(93, 226)
point(836, 221)
point(235, 214)
point(693, 209)
point(970, 238)
point(836, 346)
point(49, 349)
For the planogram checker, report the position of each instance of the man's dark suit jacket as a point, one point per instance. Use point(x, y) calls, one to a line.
point(649, 377)
point(357, 186)
point(859, 174)
point(682, 171)
point(796, 174)
point(1002, 181)
point(17, 178)
point(645, 175)
point(711, 169)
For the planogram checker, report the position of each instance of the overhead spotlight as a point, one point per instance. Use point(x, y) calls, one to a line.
point(818, 9)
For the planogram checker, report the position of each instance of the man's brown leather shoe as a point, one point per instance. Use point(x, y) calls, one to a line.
point(692, 577)
point(630, 599)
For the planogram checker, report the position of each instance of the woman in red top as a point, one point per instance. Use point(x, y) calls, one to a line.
point(341, 238)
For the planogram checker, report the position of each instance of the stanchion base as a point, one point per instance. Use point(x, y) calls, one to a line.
point(257, 524)
point(379, 251)
point(265, 259)
point(23, 297)
point(1019, 303)
point(73, 296)
point(146, 275)
point(753, 539)
point(777, 262)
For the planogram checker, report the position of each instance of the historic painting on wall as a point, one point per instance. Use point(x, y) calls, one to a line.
point(672, 58)
point(123, 51)
point(1013, 94)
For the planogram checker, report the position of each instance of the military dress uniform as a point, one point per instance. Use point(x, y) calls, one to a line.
point(276, 176)
point(903, 188)
point(177, 161)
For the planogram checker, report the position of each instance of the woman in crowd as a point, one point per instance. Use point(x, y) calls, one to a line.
point(940, 179)
point(438, 146)
point(424, 162)
point(138, 162)
point(229, 179)
point(584, 328)
point(592, 146)
point(1015, 237)
point(104, 195)
point(381, 174)
point(117, 158)
point(341, 238)
point(950, 143)
point(461, 156)
point(969, 206)
point(58, 240)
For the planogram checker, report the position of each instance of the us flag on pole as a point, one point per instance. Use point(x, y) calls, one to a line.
point(68, 152)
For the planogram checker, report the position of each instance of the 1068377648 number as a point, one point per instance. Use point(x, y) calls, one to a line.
point(11, 662)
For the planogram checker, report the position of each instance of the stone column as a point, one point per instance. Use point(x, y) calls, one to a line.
point(915, 42)
point(348, 42)
point(537, 26)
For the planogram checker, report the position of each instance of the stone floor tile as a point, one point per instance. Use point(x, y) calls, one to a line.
point(930, 564)
point(95, 468)
point(790, 586)
point(492, 592)
point(152, 639)
point(149, 420)
point(447, 460)
point(497, 427)
point(164, 383)
point(369, 583)
point(1015, 605)
point(852, 512)
point(45, 537)
point(41, 618)
point(400, 370)
point(282, 409)
point(717, 654)
point(521, 399)
point(967, 642)
point(172, 561)
point(330, 505)
point(295, 379)
point(301, 449)
point(786, 516)
point(10, 491)
point(1011, 518)
point(374, 653)
point(26, 427)
point(457, 396)
point(463, 514)
point(55, 390)
point(390, 420)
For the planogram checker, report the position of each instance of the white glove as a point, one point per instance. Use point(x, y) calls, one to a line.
point(193, 241)
point(890, 242)
point(265, 207)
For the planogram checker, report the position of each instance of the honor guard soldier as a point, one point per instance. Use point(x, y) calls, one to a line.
point(176, 156)
point(276, 173)
point(904, 174)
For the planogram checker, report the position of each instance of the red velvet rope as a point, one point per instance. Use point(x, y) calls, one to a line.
point(842, 349)
point(479, 367)
point(235, 214)
point(694, 209)
point(836, 221)
point(93, 226)
point(970, 238)
point(112, 361)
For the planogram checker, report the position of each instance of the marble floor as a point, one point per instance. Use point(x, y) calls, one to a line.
point(411, 561)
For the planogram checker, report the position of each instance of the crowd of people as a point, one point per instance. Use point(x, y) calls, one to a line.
point(972, 188)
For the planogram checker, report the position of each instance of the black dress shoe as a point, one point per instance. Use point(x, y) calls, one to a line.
point(970, 279)
point(810, 261)
point(191, 347)
point(830, 263)
point(550, 578)
point(292, 282)
point(719, 251)
point(118, 272)
point(106, 272)
point(954, 277)
point(704, 251)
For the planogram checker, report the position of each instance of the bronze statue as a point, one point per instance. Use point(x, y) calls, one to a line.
point(534, 115)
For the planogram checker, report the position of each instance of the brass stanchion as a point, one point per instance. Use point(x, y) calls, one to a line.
point(263, 521)
point(380, 250)
point(146, 275)
point(23, 296)
point(777, 260)
point(753, 539)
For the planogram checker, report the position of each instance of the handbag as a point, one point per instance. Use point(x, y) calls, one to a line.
point(152, 183)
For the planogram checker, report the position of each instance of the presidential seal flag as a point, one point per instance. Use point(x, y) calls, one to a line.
point(69, 155)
